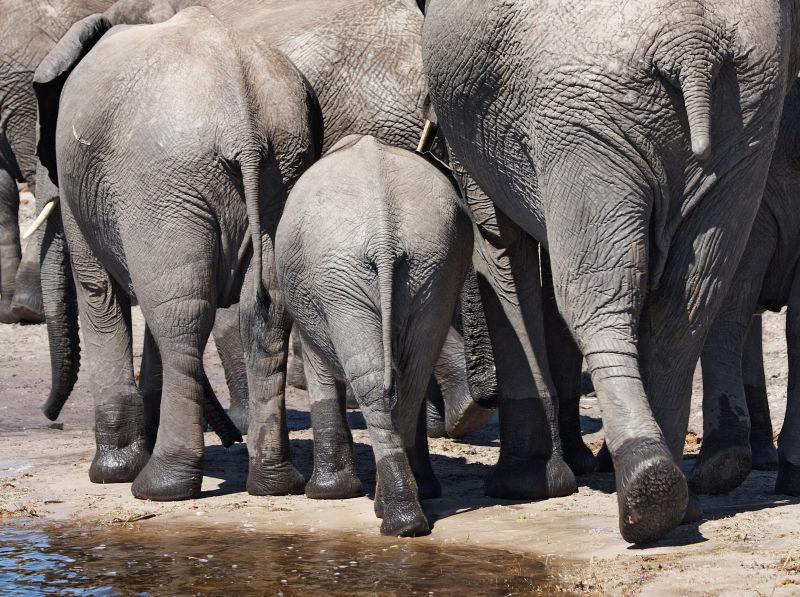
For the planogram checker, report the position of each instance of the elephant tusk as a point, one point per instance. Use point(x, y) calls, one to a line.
point(427, 137)
point(41, 218)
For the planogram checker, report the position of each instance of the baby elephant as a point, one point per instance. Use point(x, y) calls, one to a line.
point(371, 253)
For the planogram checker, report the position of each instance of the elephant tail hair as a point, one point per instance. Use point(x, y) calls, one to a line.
point(61, 314)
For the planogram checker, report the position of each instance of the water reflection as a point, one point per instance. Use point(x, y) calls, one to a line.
point(145, 560)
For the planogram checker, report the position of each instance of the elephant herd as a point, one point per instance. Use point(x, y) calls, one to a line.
point(600, 186)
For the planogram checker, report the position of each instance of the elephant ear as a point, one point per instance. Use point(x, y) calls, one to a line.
point(49, 79)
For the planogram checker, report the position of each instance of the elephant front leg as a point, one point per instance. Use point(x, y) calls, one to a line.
point(10, 252)
point(788, 480)
point(762, 446)
point(334, 475)
point(531, 464)
point(265, 325)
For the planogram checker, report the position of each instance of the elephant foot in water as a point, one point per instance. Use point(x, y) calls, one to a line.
point(6, 314)
point(115, 464)
point(170, 477)
point(652, 492)
point(578, 457)
point(536, 478)
point(724, 461)
point(788, 480)
point(338, 484)
point(279, 479)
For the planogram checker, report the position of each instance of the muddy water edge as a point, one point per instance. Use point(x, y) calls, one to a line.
point(145, 559)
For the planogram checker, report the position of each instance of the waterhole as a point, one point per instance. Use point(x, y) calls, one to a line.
point(37, 558)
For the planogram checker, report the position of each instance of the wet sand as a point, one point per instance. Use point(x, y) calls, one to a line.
point(747, 544)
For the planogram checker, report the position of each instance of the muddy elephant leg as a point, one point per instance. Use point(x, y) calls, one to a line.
point(229, 346)
point(265, 324)
point(396, 492)
point(10, 252)
point(334, 475)
point(105, 316)
point(179, 312)
point(506, 262)
point(566, 363)
point(762, 446)
point(725, 458)
point(788, 480)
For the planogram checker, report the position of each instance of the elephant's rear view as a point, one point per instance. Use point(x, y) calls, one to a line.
point(176, 145)
point(372, 251)
point(633, 141)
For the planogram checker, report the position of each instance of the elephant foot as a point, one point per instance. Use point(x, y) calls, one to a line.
point(604, 462)
point(788, 480)
point(467, 418)
point(402, 520)
point(579, 457)
point(533, 479)
point(280, 479)
point(765, 456)
point(721, 470)
point(119, 465)
point(169, 478)
point(350, 401)
point(334, 485)
point(651, 491)
point(240, 416)
point(694, 511)
point(6, 314)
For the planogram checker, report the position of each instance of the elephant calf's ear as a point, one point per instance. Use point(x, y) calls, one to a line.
point(51, 75)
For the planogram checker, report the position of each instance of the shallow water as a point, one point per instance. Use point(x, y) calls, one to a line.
point(37, 558)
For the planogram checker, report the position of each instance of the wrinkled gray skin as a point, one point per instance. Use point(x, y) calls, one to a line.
point(736, 428)
point(29, 30)
point(196, 189)
point(56, 290)
point(613, 137)
point(371, 251)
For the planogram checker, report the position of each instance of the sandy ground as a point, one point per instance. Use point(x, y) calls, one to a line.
point(747, 544)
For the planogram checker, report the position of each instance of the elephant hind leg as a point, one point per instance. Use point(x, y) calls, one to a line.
point(105, 314)
point(334, 475)
point(725, 457)
point(229, 346)
point(10, 252)
point(179, 310)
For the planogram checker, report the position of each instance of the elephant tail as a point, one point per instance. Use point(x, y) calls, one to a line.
point(250, 168)
point(61, 314)
point(385, 266)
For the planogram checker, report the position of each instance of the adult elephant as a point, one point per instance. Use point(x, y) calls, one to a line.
point(30, 30)
point(634, 145)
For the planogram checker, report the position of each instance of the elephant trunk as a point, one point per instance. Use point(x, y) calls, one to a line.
point(61, 314)
point(480, 367)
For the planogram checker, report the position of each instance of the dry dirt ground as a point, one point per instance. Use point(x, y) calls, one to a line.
point(747, 544)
